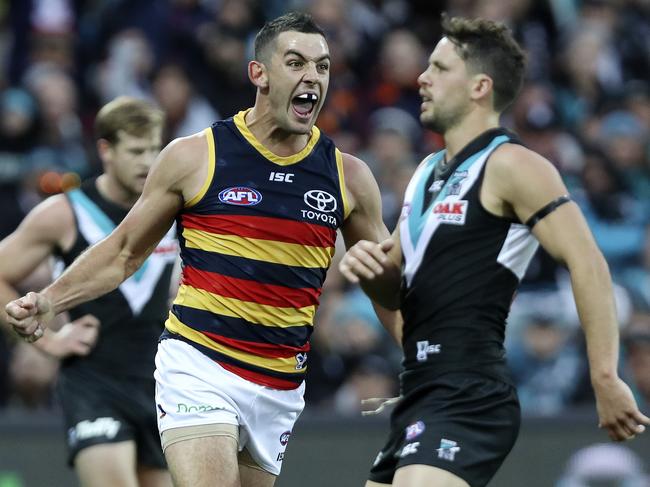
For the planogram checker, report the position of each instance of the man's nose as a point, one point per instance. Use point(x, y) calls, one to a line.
point(311, 73)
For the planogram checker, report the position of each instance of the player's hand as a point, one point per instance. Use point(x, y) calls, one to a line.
point(75, 338)
point(618, 412)
point(29, 315)
point(367, 260)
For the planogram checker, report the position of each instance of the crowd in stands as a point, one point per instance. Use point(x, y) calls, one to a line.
point(585, 106)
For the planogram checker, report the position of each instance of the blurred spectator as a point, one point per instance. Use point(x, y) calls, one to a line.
point(62, 145)
point(624, 137)
point(604, 465)
point(615, 217)
point(186, 112)
point(547, 363)
point(127, 68)
point(19, 130)
point(402, 58)
point(226, 51)
point(373, 377)
point(394, 138)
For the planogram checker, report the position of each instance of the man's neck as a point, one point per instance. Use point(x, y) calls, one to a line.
point(282, 143)
point(114, 192)
point(473, 125)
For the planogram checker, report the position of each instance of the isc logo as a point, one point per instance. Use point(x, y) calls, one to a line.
point(240, 196)
point(283, 177)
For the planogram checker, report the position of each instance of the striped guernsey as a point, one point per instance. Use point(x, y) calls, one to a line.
point(256, 243)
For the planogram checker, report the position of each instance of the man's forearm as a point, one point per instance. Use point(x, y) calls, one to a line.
point(593, 294)
point(383, 290)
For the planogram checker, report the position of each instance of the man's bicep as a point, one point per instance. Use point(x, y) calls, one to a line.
point(365, 220)
point(40, 233)
point(152, 215)
point(564, 234)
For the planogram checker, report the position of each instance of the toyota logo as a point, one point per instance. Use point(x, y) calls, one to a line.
point(320, 200)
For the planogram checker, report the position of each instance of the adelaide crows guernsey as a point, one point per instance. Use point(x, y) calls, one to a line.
point(462, 266)
point(256, 243)
point(132, 316)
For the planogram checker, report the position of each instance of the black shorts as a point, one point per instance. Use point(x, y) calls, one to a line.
point(100, 409)
point(463, 423)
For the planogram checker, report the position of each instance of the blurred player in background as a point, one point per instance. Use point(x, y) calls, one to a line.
point(105, 388)
point(472, 218)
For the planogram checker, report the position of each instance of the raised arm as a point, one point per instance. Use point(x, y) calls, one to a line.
point(565, 235)
point(177, 176)
point(368, 241)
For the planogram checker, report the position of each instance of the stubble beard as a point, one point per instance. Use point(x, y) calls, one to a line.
point(443, 122)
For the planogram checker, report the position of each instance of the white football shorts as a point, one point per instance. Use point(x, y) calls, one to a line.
point(193, 390)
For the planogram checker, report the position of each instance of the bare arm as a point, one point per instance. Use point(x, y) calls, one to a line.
point(47, 227)
point(367, 238)
point(565, 235)
point(172, 180)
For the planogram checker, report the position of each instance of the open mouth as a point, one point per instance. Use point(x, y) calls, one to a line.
point(303, 105)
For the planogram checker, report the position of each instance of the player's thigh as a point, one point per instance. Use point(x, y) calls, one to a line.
point(197, 462)
point(370, 483)
point(107, 465)
point(416, 475)
point(154, 477)
point(255, 477)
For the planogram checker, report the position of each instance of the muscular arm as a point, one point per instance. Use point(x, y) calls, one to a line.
point(45, 228)
point(176, 176)
point(565, 235)
point(364, 227)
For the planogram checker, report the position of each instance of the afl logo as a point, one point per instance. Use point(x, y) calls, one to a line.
point(240, 196)
point(320, 200)
point(284, 438)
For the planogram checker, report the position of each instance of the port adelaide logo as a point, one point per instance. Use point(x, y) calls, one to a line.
point(240, 196)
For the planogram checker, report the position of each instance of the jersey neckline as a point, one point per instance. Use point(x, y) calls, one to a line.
point(240, 123)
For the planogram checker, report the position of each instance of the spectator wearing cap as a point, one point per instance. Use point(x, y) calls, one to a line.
point(604, 464)
point(544, 355)
point(624, 137)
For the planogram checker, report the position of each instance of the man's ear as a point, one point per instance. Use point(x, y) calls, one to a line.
point(258, 75)
point(482, 86)
point(104, 149)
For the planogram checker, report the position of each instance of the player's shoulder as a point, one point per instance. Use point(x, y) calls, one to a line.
point(511, 159)
point(355, 168)
point(188, 150)
point(183, 163)
point(51, 218)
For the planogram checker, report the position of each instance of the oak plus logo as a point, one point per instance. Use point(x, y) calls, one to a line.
point(321, 201)
point(452, 212)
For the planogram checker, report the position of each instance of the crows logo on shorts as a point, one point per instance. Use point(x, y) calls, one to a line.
point(414, 430)
point(284, 438)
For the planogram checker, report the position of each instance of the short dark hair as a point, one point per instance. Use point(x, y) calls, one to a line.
point(489, 47)
point(292, 21)
point(134, 116)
